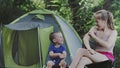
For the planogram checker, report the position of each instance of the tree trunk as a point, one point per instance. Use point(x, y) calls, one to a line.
point(76, 18)
point(107, 4)
point(74, 5)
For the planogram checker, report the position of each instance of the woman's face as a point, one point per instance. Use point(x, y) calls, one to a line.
point(100, 24)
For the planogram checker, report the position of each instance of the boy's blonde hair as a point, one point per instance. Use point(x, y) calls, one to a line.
point(53, 35)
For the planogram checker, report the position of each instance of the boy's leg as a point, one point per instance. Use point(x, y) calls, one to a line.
point(63, 64)
point(50, 64)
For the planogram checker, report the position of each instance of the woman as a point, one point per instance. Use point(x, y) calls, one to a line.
point(104, 36)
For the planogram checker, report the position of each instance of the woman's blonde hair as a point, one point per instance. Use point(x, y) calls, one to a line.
point(105, 15)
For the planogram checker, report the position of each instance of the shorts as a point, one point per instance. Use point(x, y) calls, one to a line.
point(109, 55)
point(55, 60)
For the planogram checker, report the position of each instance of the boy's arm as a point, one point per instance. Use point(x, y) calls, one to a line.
point(63, 55)
point(52, 54)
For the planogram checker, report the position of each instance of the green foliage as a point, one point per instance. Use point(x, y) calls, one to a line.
point(65, 13)
point(11, 9)
point(116, 12)
point(86, 20)
point(61, 7)
point(84, 15)
point(117, 25)
point(78, 12)
point(117, 54)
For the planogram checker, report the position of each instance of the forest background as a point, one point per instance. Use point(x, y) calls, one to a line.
point(77, 12)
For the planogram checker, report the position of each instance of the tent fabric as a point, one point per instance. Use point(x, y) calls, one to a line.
point(72, 40)
point(7, 38)
point(44, 41)
point(28, 22)
point(7, 46)
point(28, 51)
point(32, 39)
point(1, 51)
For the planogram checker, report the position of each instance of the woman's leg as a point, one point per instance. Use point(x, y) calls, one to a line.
point(97, 57)
point(80, 52)
point(84, 61)
point(89, 59)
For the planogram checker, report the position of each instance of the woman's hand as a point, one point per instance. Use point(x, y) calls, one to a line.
point(92, 34)
point(92, 51)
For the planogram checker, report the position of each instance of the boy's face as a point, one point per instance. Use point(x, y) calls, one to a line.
point(58, 38)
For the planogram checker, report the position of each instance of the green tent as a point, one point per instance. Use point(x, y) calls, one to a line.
point(25, 41)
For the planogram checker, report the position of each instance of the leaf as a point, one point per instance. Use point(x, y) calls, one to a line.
point(40, 17)
point(41, 11)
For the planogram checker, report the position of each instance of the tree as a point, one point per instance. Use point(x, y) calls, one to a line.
point(107, 4)
point(59, 6)
point(82, 11)
point(11, 9)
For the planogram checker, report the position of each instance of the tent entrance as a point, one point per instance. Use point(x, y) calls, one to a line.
point(26, 47)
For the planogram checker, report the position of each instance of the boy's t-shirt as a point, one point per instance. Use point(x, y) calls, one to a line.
point(60, 49)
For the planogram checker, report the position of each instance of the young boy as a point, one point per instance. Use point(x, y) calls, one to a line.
point(57, 52)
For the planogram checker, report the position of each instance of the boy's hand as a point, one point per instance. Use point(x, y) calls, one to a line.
point(59, 54)
point(62, 56)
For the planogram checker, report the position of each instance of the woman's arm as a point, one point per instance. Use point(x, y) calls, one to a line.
point(87, 38)
point(86, 41)
point(107, 44)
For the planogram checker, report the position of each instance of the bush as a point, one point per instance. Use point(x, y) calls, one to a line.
point(117, 53)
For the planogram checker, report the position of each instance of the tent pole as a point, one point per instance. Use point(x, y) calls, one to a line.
point(40, 54)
